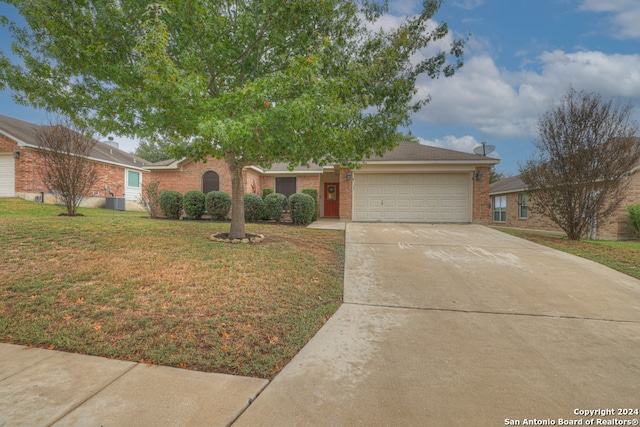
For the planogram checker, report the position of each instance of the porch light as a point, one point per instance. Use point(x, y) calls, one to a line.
point(16, 155)
point(348, 176)
point(479, 175)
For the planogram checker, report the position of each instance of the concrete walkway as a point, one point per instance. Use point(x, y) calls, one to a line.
point(441, 325)
point(462, 326)
point(43, 388)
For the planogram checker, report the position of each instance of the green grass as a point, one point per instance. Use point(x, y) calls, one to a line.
point(119, 285)
point(623, 256)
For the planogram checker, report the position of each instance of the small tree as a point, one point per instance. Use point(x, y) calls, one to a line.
point(150, 200)
point(67, 171)
point(586, 147)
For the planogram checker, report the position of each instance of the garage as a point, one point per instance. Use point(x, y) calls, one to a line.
point(7, 175)
point(412, 197)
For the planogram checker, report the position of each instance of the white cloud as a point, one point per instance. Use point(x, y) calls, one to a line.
point(505, 104)
point(625, 15)
point(468, 4)
point(466, 144)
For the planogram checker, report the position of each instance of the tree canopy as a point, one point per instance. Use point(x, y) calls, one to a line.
point(586, 148)
point(253, 82)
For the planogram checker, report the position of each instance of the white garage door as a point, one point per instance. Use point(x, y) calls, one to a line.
point(417, 197)
point(7, 175)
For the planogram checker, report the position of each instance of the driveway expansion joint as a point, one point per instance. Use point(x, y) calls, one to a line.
point(499, 313)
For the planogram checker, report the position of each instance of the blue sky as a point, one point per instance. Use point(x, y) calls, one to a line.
point(521, 57)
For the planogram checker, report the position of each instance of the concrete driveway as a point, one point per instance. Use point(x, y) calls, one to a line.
point(461, 325)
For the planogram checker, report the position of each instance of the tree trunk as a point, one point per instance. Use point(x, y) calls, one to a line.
point(237, 196)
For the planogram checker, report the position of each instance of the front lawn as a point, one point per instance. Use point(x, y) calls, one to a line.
point(119, 285)
point(621, 256)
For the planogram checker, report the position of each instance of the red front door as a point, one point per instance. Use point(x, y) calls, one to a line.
point(331, 199)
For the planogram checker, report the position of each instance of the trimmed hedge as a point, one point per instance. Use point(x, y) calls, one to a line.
point(274, 204)
point(313, 193)
point(218, 204)
point(633, 212)
point(302, 208)
point(193, 204)
point(171, 204)
point(252, 207)
point(266, 192)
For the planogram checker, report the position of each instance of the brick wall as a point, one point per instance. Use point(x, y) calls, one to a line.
point(614, 228)
point(189, 177)
point(346, 192)
point(481, 201)
point(29, 184)
point(252, 182)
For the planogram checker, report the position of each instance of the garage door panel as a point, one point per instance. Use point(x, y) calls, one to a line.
point(7, 175)
point(412, 197)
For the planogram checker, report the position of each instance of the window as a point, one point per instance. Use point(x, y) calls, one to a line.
point(210, 182)
point(286, 186)
point(523, 199)
point(500, 209)
point(133, 179)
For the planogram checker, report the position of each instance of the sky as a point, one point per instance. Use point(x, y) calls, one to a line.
point(521, 56)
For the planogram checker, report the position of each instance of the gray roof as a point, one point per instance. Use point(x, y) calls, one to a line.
point(507, 185)
point(27, 133)
point(412, 151)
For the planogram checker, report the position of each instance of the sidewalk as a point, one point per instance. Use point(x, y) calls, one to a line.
point(51, 388)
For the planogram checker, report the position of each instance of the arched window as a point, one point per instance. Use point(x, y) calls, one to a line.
point(210, 182)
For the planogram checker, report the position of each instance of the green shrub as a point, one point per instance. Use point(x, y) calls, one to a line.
point(171, 204)
point(301, 207)
point(274, 204)
point(218, 204)
point(252, 207)
point(193, 204)
point(266, 192)
point(313, 193)
point(633, 212)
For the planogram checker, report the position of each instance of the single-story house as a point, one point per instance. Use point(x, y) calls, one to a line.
point(411, 183)
point(121, 175)
point(511, 208)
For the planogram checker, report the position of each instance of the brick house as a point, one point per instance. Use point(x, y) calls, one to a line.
point(411, 183)
point(511, 208)
point(121, 174)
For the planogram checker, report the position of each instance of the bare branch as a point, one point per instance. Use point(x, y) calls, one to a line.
point(67, 172)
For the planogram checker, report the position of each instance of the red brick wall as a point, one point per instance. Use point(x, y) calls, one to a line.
point(30, 166)
point(190, 176)
point(481, 199)
point(7, 145)
point(252, 182)
point(346, 191)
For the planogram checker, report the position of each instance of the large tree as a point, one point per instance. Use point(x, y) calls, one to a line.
point(586, 147)
point(252, 82)
point(67, 171)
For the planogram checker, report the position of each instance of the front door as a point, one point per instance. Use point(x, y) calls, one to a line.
point(331, 199)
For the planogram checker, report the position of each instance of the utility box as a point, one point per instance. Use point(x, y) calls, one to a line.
point(115, 203)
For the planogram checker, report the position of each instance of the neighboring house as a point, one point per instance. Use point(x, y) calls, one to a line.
point(120, 174)
point(511, 208)
point(411, 183)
